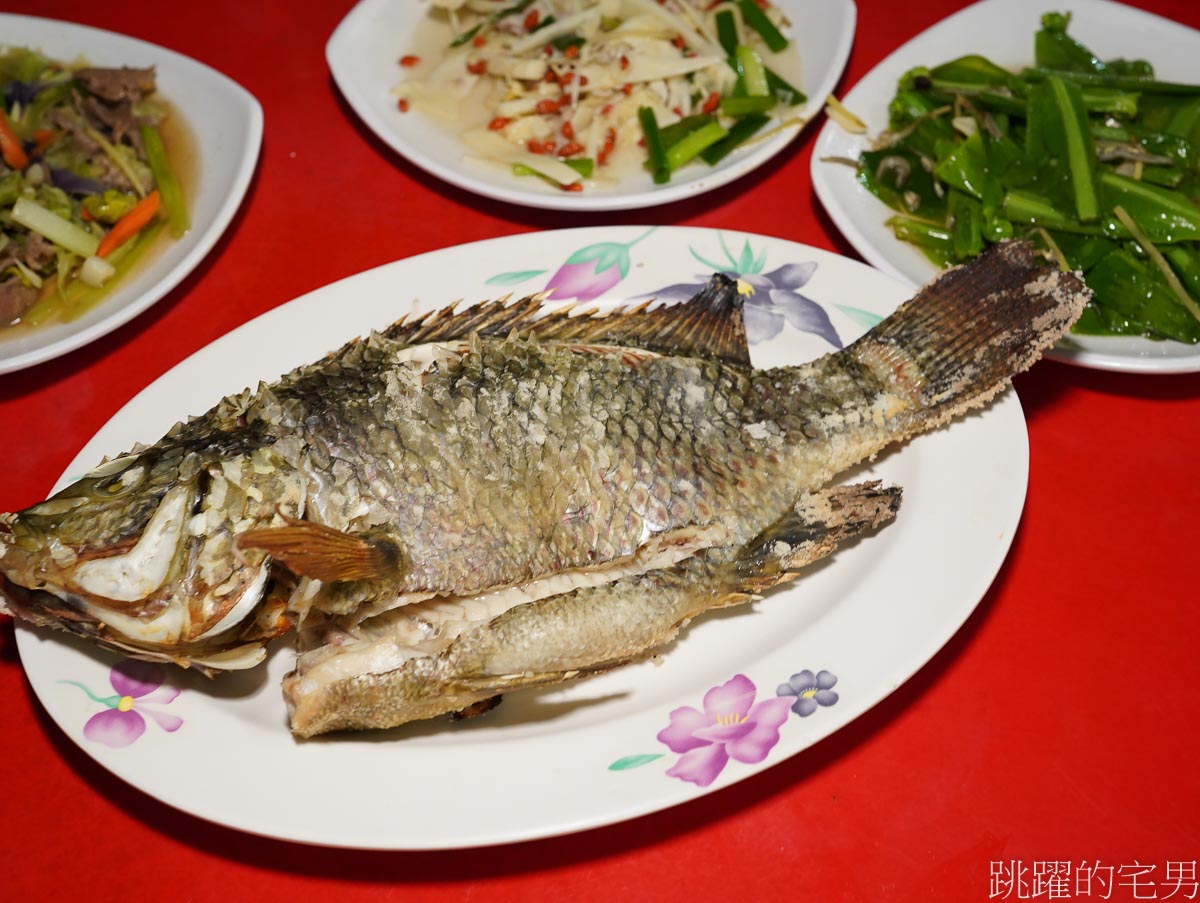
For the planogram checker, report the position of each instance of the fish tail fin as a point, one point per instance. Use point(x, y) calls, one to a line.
point(963, 336)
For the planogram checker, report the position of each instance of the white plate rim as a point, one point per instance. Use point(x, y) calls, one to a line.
point(939, 607)
point(370, 101)
point(1106, 24)
point(243, 125)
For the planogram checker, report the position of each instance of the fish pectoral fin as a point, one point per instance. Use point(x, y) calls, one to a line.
point(323, 553)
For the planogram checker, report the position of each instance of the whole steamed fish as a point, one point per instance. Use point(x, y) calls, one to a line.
point(475, 502)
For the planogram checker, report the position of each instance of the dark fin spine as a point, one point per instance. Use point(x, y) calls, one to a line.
point(322, 553)
point(962, 337)
point(710, 325)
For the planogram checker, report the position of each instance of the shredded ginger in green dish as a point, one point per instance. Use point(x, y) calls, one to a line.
point(1096, 162)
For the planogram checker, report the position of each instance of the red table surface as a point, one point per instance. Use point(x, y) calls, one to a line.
point(1058, 725)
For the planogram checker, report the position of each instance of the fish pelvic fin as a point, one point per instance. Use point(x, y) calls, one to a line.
point(322, 553)
point(819, 522)
point(963, 336)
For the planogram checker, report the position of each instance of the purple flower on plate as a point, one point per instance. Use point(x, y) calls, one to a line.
point(732, 726)
point(809, 691)
point(139, 686)
point(771, 299)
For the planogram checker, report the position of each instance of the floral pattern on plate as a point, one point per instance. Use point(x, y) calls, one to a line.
point(733, 725)
point(140, 688)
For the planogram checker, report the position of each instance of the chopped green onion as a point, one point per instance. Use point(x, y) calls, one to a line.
point(727, 34)
point(739, 133)
point(740, 106)
point(659, 170)
point(753, 16)
point(754, 74)
point(693, 143)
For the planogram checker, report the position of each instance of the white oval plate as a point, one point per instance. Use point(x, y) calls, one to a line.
point(559, 760)
point(363, 53)
point(211, 106)
point(1001, 30)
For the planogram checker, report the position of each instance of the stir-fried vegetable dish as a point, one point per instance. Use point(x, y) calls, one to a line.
point(85, 182)
point(579, 92)
point(1097, 162)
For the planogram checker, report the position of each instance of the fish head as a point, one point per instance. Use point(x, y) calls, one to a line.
point(140, 555)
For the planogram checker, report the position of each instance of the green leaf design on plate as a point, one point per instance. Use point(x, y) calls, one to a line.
point(513, 278)
point(862, 317)
point(628, 762)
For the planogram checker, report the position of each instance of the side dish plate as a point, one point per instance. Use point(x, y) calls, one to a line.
point(210, 105)
point(1001, 30)
point(363, 53)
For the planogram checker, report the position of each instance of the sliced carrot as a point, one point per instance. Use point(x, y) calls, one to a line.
point(10, 145)
point(130, 224)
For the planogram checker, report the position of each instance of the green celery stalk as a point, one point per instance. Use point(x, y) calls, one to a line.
point(168, 186)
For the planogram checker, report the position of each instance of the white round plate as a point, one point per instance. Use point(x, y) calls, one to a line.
point(363, 53)
point(1002, 31)
point(563, 759)
point(212, 107)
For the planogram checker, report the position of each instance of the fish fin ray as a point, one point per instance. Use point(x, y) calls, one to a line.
point(963, 336)
point(709, 325)
point(323, 553)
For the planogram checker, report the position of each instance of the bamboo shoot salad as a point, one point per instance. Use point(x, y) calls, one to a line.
point(580, 94)
point(85, 182)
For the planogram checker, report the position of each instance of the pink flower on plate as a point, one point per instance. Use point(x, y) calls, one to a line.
point(139, 685)
point(592, 270)
point(732, 726)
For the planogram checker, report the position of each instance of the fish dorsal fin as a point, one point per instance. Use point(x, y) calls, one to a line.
point(709, 325)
